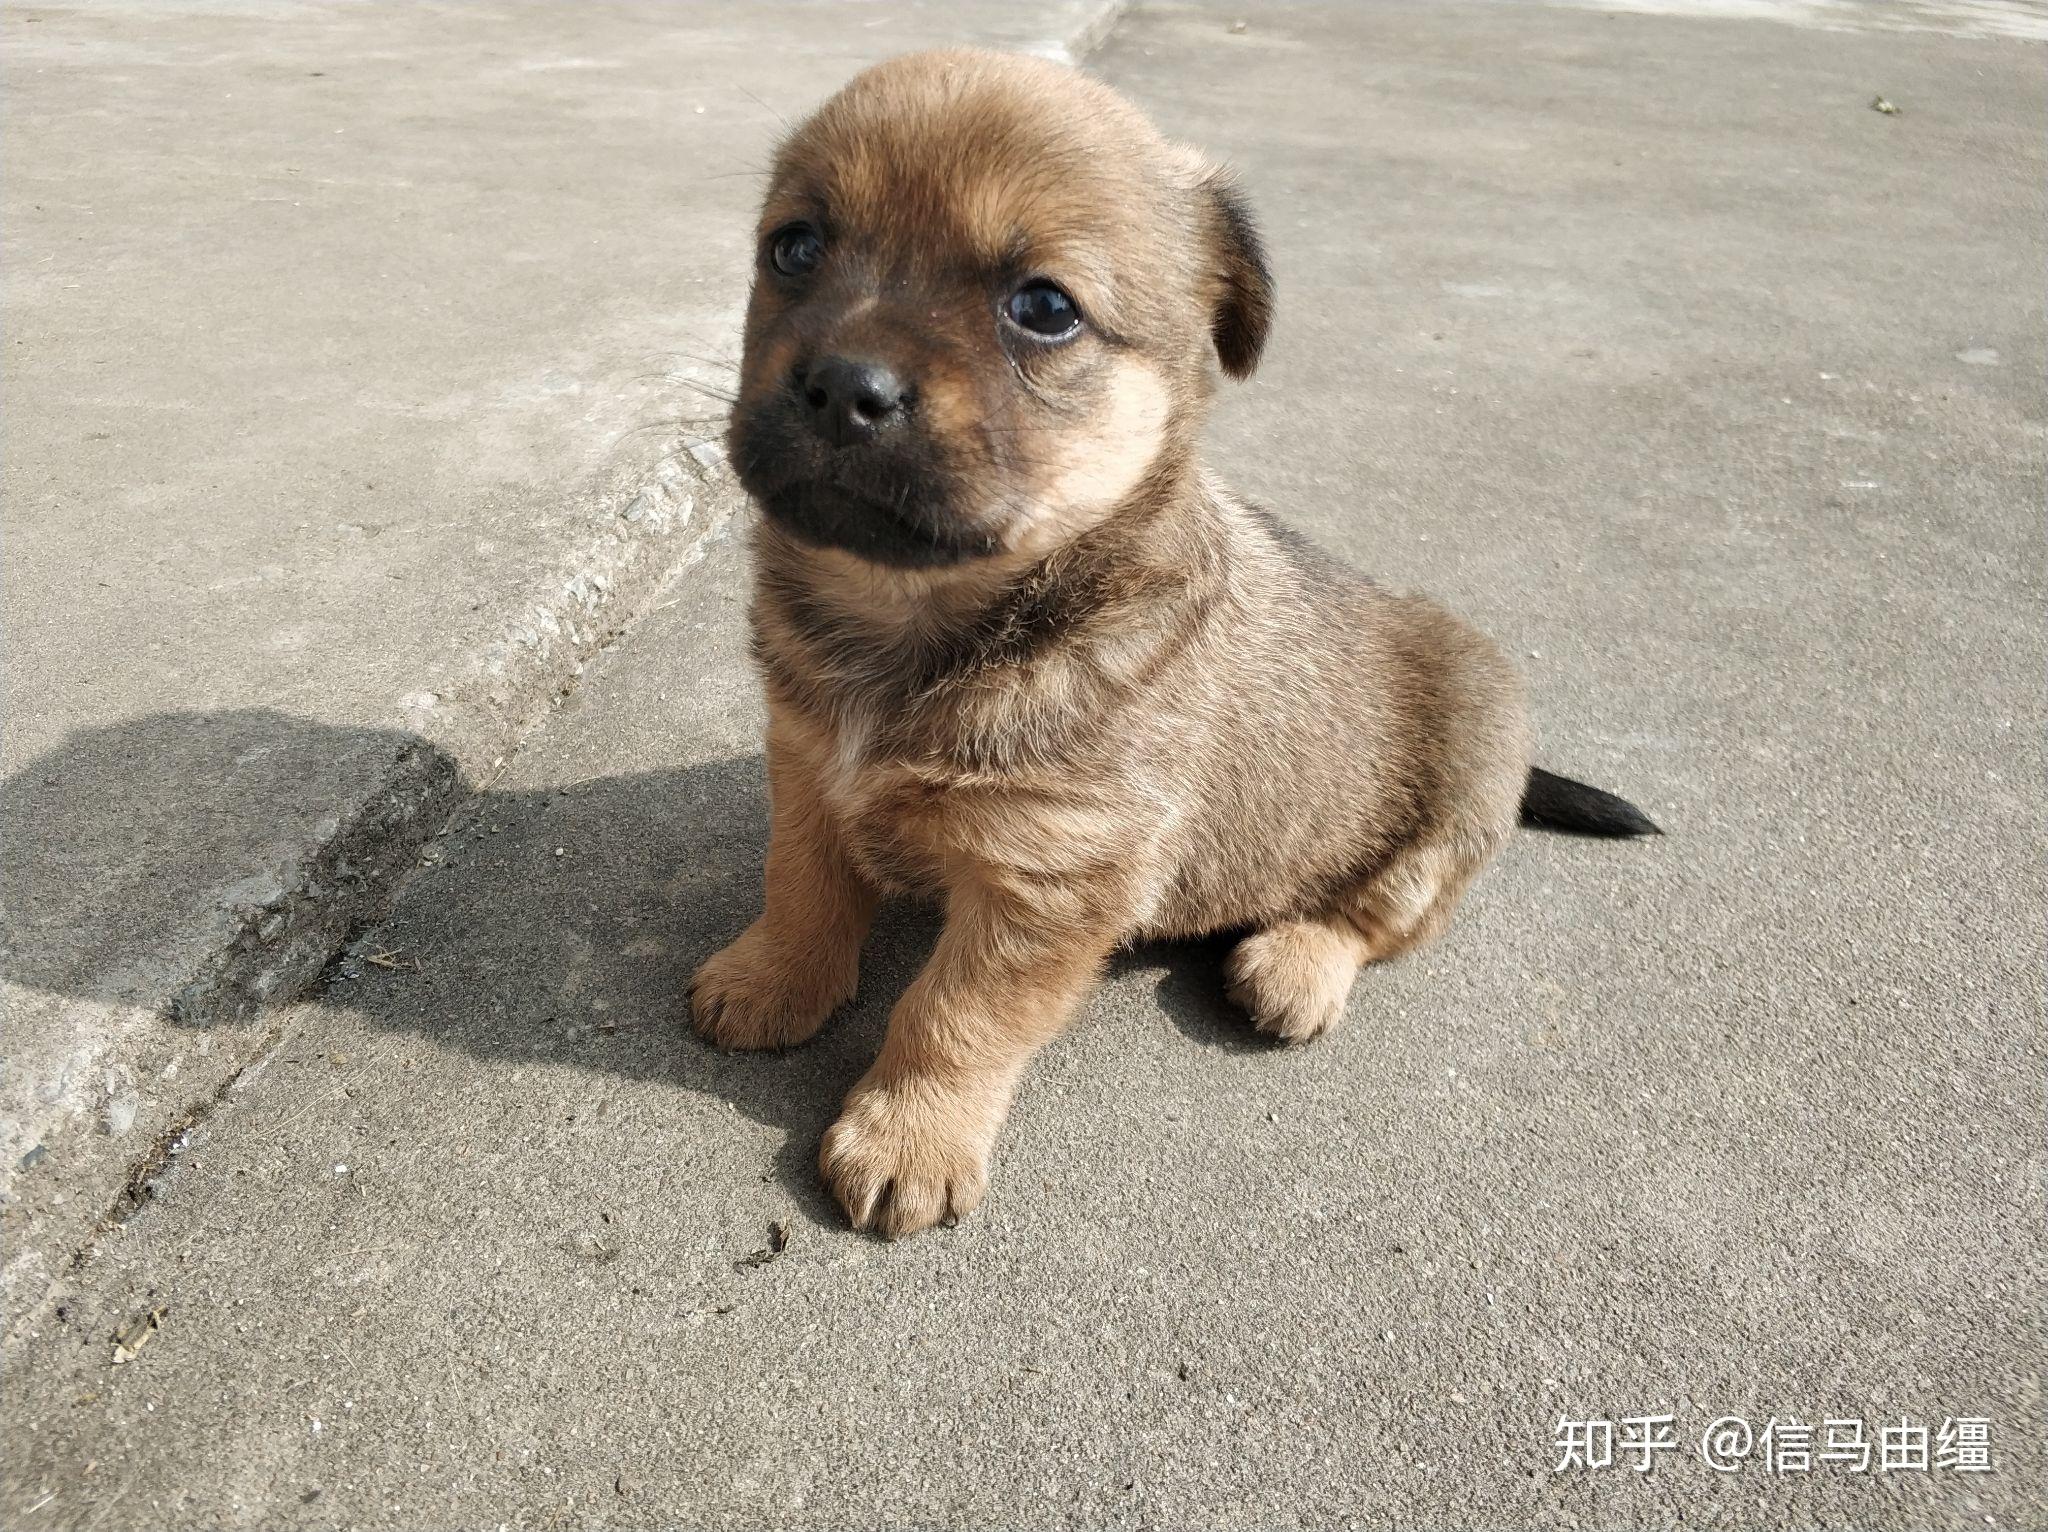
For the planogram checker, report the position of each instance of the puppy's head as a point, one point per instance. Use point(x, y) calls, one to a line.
point(987, 297)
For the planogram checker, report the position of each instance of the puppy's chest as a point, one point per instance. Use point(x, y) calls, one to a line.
point(908, 823)
point(892, 817)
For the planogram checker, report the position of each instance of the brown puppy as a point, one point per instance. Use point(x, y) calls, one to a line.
point(1021, 652)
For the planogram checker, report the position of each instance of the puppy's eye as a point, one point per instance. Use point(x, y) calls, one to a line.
point(1044, 309)
point(796, 251)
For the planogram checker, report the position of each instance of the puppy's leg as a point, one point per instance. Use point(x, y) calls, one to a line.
point(799, 961)
point(1409, 902)
point(1294, 976)
point(911, 1146)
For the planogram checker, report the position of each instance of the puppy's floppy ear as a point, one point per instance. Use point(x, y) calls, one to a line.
point(1238, 281)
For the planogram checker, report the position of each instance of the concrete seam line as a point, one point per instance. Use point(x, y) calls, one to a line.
point(137, 1189)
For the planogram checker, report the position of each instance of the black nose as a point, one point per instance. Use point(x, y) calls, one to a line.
point(851, 400)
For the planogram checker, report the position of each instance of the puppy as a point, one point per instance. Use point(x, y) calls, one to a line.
point(1022, 652)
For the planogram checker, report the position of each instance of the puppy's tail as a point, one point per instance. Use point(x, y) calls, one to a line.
point(1552, 802)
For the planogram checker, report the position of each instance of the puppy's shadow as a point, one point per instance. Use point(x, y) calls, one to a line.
point(556, 926)
point(565, 925)
point(1190, 989)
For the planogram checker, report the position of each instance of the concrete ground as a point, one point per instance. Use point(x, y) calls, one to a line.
point(1643, 340)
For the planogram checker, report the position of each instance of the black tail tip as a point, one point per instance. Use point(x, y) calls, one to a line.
point(1552, 802)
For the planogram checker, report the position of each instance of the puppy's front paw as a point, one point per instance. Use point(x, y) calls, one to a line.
point(1293, 978)
point(908, 1153)
point(755, 994)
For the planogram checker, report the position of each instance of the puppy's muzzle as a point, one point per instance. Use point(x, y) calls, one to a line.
point(851, 401)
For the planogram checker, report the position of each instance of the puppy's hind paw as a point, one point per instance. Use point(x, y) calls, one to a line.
point(1293, 978)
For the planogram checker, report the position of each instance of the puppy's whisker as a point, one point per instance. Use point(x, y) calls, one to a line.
point(764, 106)
point(683, 380)
point(667, 356)
point(708, 390)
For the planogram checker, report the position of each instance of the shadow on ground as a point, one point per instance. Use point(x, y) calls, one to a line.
point(131, 847)
point(547, 924)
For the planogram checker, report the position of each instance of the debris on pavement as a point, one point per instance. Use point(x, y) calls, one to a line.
point(778, 1241)
point(1879, 104)
point(137, 1333)
point(348, 966)
point(590, 1248)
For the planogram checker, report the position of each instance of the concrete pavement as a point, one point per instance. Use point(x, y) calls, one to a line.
point(1713, 392)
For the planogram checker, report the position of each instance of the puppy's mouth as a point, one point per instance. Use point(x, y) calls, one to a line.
point(884, 530)
point(882, 509)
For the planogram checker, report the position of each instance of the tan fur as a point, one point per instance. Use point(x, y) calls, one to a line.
point(1138, 708)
